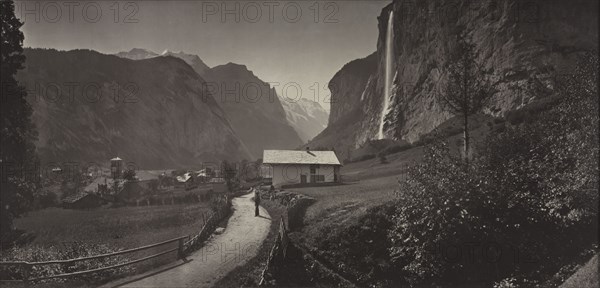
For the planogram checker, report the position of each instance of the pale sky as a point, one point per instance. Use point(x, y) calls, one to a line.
point(270, 37)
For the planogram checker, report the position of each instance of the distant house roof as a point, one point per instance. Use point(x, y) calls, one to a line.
point(300, 157)
point(182, 179)
point(76, 197)
point(217, 180)
point(116, 159)
point(144, 175)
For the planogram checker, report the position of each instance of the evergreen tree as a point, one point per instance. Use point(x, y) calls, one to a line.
point(467, 89)
point(17, 150)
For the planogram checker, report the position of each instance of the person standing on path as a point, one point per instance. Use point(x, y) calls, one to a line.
point(256, 201)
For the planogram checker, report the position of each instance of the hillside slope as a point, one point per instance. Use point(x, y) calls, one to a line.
point(156, 112)
point(253, 108)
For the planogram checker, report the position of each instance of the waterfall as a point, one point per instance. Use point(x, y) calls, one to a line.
point(389, 42)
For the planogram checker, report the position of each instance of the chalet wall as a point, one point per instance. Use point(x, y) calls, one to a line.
point(287, 174)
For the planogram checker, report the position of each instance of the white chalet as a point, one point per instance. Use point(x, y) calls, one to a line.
point(291, 167)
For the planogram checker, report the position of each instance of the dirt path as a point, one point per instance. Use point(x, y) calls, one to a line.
point(221, 253)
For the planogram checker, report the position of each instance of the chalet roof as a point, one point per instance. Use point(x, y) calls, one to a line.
point(182, 179)
point(116, 159)
point(76, 197)
point(300, 157)
point(144, 175)
point(217, 180)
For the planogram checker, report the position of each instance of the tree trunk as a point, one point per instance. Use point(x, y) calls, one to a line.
point(466, 137)
point(6, 223)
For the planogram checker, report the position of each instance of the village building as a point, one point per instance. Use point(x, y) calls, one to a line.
point(217, 180)
point(186, 181)
point(297, 167)
point(116, 167)
point(83, 200)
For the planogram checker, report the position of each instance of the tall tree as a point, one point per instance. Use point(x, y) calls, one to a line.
point(467, 89)
point(229, 172)
point(17, 149)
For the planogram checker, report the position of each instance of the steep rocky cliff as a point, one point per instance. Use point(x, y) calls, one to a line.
point(517, 42)
point(90, 107)
point(348, 84)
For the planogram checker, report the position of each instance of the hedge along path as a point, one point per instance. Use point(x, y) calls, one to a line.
point(220, 254)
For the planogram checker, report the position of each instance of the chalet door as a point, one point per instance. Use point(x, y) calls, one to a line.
point(303, 179)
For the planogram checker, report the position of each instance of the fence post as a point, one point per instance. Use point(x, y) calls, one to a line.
point(180, 250)
point(26, 272)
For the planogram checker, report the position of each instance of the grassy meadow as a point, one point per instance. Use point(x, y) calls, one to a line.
point(123, 227)
point(67, 234)
point(370, 183)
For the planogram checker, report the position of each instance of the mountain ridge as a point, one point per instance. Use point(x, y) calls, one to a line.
point(253, 108)
point(154, 112)
point(191, 59)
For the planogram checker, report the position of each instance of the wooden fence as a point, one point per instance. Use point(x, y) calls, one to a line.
point(277, 256)
point(209, 224)
point(186, 244)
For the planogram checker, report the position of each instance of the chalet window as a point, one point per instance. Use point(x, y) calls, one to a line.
point(317, 178)
point(313, 169)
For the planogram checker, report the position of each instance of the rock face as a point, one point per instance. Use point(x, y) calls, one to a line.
point(156, 112)
point(306, 116)
point(516, 42)
point(348, 84)
point(253, 108)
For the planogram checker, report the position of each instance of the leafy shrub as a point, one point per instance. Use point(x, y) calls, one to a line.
point(67, 251)
point(47, 199)
point(362, 247)
point(129, 174)
point(528, 195)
